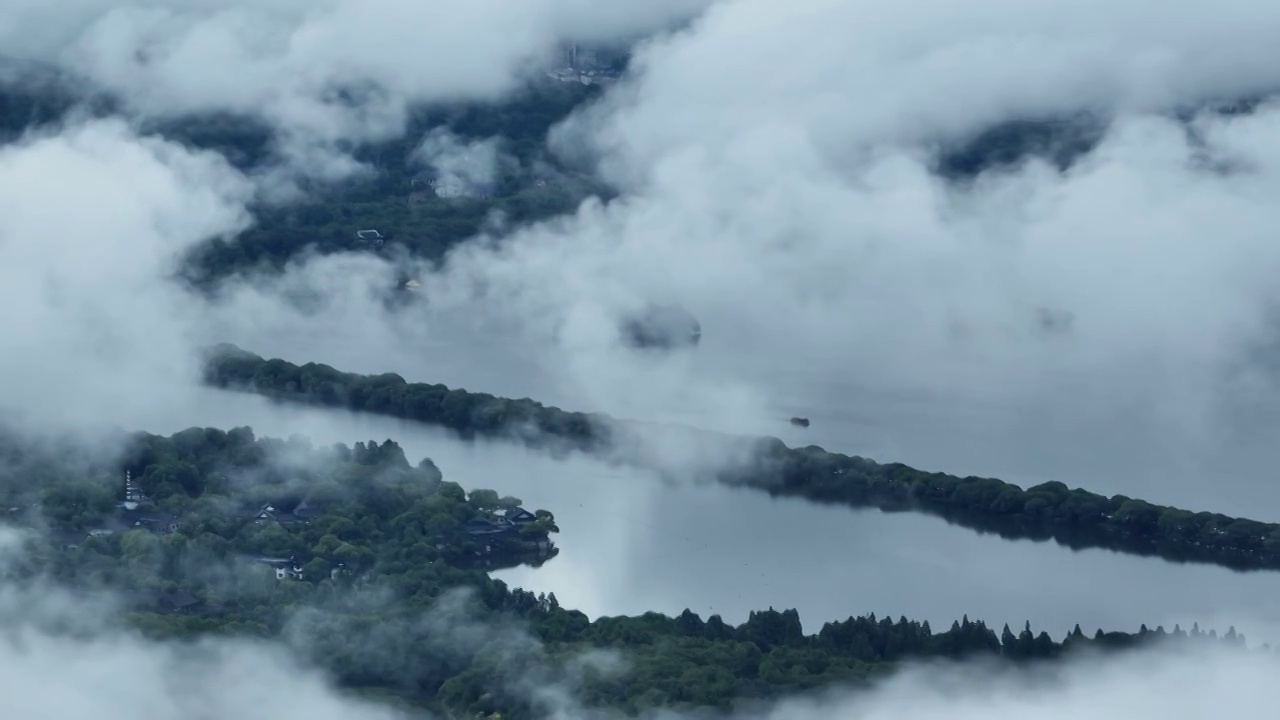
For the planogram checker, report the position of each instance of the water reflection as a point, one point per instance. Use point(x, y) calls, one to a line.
point(630, 543)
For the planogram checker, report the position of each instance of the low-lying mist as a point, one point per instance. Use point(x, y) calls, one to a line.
point(64, 658)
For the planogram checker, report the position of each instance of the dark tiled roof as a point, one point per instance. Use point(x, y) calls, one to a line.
point(148, 517)
point(177, 600)
point(309, 509)
point(488, 526)
point(67, 537)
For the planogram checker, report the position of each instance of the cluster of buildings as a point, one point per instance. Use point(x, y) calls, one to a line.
point(587, 64)
point(492, 535)
point(454, 187)
point(448, 186)
point(372, 237)
point(130, 515)
point(137, 512)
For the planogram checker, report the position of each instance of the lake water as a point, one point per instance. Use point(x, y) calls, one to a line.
point(630, 543)
point(1061, 430)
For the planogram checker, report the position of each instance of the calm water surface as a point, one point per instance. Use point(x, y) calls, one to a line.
point(1062, 431)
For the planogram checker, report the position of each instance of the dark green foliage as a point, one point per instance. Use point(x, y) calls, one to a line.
point(530, 185)
point(394, 199)
point(173, 508)
point(27, 103)
point(24, 108)
point(1073, 517)
point(245, 142)
point(376, 547)
point(37, 97)
point(1057, 141)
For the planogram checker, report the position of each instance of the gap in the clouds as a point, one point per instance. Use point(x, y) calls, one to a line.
point(1059, 141)
point(399, 203)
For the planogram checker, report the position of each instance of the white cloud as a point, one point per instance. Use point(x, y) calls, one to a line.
point(775, 187)
point(881, 271)
point(91, 224)
point(843, 75)
point(458, 164)
point(1179, 685)
point(285, 59)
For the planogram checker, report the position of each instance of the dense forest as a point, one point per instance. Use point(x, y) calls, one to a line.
point(375, 569)
point(1076, 518)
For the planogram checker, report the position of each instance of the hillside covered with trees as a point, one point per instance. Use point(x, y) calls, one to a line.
point(357, 558)
point(394, 197)
point(1075, 517)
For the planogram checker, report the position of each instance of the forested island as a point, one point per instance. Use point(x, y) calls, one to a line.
point(370, 566)
point(1075, 518)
